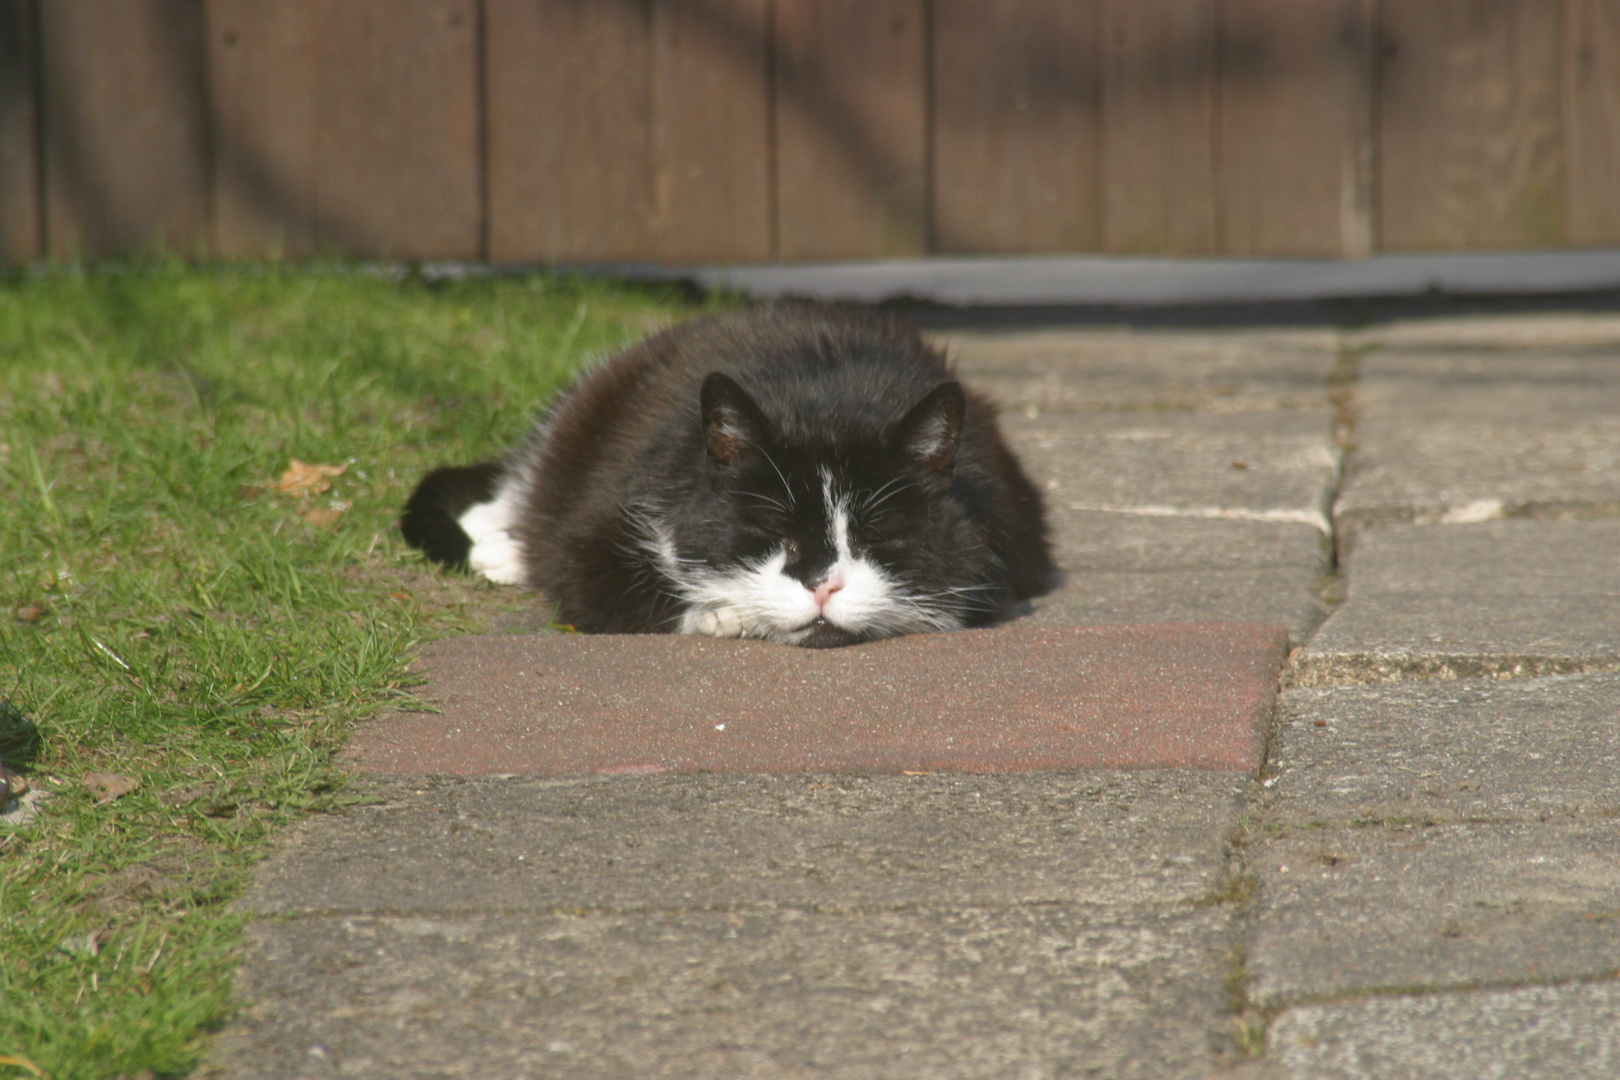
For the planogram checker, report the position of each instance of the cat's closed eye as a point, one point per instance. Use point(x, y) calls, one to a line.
point(776, 526)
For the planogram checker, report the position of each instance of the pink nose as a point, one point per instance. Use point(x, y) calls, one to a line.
point(829, 585)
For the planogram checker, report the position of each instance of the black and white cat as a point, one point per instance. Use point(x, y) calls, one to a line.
point(796, 473)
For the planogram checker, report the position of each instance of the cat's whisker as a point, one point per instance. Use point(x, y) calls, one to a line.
point(875, 499)
point(787, 487)
point(774, 504)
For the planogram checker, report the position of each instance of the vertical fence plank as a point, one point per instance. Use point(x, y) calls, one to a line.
point(400, 171)
point(1592, 120)
point(348, 124)
point(569, 129)
point(1159, 94)
point(125, 127)
point(19, 164)
point(264, 73)
point(1296, 136)
point(711, 130)
point(1016, 126)
point(1470, 152)
point(851, 123)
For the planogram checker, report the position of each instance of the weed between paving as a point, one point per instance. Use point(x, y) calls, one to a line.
point(169, 616)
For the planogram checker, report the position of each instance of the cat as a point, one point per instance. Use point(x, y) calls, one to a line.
point(799, 473)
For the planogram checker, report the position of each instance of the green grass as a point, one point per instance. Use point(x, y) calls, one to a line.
point(167, 616)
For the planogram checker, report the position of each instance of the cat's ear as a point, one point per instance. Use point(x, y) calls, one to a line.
point(932, 430)
point(731, 421)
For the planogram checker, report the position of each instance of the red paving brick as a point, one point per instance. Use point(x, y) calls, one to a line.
point(1178, 695)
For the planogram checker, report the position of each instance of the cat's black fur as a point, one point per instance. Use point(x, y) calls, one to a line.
point(794, 472)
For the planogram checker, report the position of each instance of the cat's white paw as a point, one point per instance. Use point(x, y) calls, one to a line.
point(721, 622)
point(499, 558)
point(482, 521)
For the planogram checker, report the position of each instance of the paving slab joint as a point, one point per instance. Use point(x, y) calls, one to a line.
point(1341, 386)
point(1248, 1026)
point(1349, 524)
point(1342, 381)
point(1243, 1038)
point(1312, 671)
point(1274, 1006)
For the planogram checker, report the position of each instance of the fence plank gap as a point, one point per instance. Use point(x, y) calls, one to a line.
point(1296, 136)
point(1016, 126)
point(569, 90)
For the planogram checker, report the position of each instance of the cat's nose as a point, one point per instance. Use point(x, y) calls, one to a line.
point(829, 585)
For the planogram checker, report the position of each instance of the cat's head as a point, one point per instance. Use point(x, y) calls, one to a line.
point(847, 536)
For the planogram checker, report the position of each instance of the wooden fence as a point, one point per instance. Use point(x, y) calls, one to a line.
point(751, 130)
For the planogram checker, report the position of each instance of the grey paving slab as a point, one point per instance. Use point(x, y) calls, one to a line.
point(1511, 597)
point(1090, 541)
point(1150, 568)
point(1571, 1032)
point(1029, 991)
point(1133, 370)
point(1284, 596)
point(1343, 911)
point(1271, 466)
point(1477, 435)
point(699, 926)
point(730, 842)
point(1450, 750)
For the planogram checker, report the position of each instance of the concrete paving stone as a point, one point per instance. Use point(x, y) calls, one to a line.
point(1213, 372)
point(1149, 568)
point(727, 842)
point(1030, 991)
point(1345, 911)
point(1289, 597)
point(1448, 751)
point(1469, 437)
point(1279, 467)
point(1500, 597)
point(1006, 699)
point(1568, 1032)
point(1089, 541)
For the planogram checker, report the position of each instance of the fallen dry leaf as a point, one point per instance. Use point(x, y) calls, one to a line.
point(322, 517)
point(106, 786)
point(29, 612)
point(302, 478)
